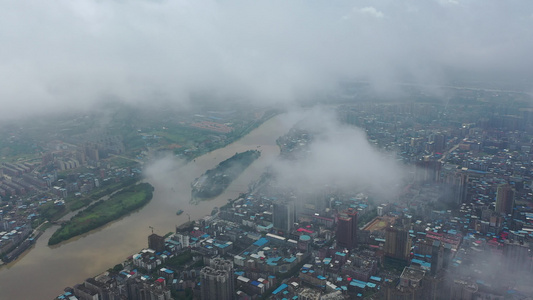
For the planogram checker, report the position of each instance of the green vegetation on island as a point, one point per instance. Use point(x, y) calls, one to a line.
point(103, 212)
point(213, 182)
point(77, 202)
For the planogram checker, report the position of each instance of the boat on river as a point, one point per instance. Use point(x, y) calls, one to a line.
point(179, 212)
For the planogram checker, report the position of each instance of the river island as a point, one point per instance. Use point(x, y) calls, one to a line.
point(102, 212)
point(214, 181)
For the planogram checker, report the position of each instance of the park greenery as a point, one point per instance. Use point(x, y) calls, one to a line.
point(103, 212)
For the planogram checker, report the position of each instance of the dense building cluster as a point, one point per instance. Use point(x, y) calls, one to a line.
point(460, 228)
point(31, 193)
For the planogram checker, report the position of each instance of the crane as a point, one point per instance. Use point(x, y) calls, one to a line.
point(152, 229)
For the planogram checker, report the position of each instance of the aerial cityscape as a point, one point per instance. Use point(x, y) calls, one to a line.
point(268, 150)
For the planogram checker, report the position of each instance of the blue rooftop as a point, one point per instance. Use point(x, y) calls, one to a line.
point(290, 260)
point(279, 289)
point(261, 242)
point(274, 259)
point(358, 284)
point(423, 264)
point(256, 283)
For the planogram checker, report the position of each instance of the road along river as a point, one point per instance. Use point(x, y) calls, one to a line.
point(44, 271)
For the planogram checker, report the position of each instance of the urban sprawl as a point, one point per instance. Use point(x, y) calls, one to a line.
point(460, 227)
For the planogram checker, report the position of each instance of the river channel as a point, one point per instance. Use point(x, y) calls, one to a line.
point(43, 271)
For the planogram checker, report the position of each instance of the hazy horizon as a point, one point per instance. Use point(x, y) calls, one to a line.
point(68, 56)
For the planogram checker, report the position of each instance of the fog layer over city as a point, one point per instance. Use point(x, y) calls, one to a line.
point(339, 156)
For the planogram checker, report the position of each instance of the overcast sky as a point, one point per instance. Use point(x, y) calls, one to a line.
point(69, 54)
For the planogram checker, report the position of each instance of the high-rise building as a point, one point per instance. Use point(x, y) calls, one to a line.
point(447, 257)
point(428, 169)
point(183, 239)
point(437, 256)
point(517, 255)
point(283, 215)
point(505, 199)
point(397, 243)
point(462, 289)
point(309, 203)
point(460, 187)
point(347, 229)
point(216, 281)
point(156, 242)
point(439, 142)
point(456, 183)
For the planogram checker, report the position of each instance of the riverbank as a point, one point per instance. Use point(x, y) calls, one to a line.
point(25, 245)
point(103, 212)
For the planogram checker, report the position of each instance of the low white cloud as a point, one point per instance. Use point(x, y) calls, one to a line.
point(448, 2)
point(369, 10)
point(340, 156)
